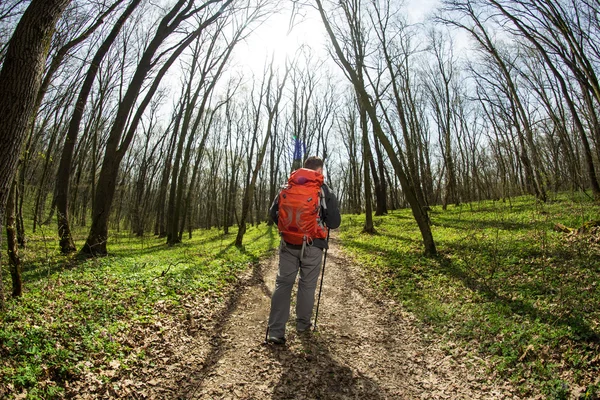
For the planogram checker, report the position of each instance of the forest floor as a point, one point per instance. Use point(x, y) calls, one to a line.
point(365, 347)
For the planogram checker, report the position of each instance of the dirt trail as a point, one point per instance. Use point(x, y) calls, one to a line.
point(364, 349)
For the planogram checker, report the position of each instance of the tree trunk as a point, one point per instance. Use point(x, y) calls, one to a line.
point(20, 80)
point(186, 214)
point(42, 189)
point(13, 250)
point(117, 145)
point(176, 181)
point(21, 240)
point(379, 179)
point(64, 170)
point(197, 164)
point(161, 228)
point(232, 168)
point(418, 211)
point(251, 184)
point(367, 160)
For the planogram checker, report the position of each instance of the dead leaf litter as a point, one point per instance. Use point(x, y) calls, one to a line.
point(365, 348)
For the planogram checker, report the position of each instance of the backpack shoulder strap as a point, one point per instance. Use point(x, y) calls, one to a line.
point(322, 198)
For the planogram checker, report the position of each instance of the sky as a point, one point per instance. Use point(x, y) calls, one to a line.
point(273, 35)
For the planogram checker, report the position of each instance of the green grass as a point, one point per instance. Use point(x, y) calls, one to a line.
point(75, 316)
point(505, 285)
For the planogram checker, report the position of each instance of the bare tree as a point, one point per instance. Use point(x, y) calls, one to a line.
point(271, 93)
point(118, 143)
point(441, 83)
point(179, 171)
point(216, 57)
point(349, 126)
point(233, 160)
point(63, 175)
point(20, 80)
point(144, 176)
point(553, 15)
point(366, 101)
point(57, 131)
point(367, 160)
point(396, 52)
point(559, 42)
point(379, 180)
point(522, 123)
point(10, 13)
point(63, 51)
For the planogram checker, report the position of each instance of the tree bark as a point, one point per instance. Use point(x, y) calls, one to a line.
point(251, 183)
point(20, 80)
point(367, 159)
point(12, 246)
point(379, 179)
point(418, 211)
point(117, 145)
point(64, 170)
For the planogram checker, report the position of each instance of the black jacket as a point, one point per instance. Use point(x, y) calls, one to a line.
point(331, 215)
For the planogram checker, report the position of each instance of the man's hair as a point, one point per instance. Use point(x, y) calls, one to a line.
point(313, 163)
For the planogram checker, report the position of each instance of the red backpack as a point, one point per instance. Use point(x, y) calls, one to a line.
point(299, 218)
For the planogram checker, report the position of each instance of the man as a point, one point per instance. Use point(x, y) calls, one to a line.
point(299, 251)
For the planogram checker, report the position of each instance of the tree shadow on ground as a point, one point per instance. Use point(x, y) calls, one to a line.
point(192, 387)
point(505, 225)
point(521, 307)
point(151, 246)
point(398, 269)
point(36, 271)
point(242, 248)
point(393, 257)
point(406, 217)
point(312, 373)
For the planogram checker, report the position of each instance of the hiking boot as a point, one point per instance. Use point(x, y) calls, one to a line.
point(305, 329)
point(276, 340)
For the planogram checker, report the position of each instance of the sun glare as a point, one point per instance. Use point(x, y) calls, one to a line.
point(274, 39)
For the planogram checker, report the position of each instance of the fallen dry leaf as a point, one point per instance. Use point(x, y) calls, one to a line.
point(365, 348)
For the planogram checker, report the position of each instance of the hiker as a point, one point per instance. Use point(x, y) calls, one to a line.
point(304, 226)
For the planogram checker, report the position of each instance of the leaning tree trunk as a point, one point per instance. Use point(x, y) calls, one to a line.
point(20, 80)
point(64, 171)
point(418, 211)
point(118, 143)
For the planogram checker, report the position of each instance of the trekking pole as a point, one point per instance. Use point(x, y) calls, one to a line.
point(321, 285)
point(267, 334)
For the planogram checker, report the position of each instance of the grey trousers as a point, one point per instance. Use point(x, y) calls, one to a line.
point(289, 265)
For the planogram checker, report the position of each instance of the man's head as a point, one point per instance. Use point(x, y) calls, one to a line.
point(314, 163)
